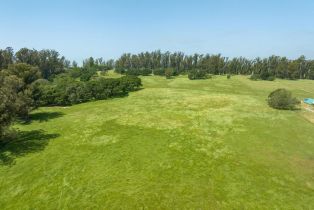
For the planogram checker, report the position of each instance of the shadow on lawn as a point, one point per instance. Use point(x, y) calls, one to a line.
point(23, 143)
point(41, 117)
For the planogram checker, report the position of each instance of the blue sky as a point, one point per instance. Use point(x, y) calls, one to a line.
point(79, 29)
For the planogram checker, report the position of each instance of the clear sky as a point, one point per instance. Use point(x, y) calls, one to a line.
point(108, 28)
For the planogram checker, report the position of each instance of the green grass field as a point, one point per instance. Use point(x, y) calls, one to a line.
point(175, 144)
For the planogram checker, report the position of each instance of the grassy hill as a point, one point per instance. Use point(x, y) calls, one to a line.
point(176, 144)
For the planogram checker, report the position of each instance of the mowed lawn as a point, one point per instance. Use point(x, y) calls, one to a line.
point(175, 144)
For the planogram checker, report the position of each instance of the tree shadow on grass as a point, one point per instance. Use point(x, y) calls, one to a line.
point(122, 94)
point(23, 143)
point(42, 117)
point(138, 89)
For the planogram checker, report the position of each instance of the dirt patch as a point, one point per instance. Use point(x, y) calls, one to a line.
point(309, 117)
point(308, 112)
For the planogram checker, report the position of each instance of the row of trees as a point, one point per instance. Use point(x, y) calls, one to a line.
point(49, 62)
point(65, 90)
point(99, 63)
point(156, 62)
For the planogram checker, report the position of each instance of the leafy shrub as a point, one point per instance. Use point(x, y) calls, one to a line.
point(87, 73)
point(65, 90)
point(255, 77)
point(146, 71)
point(160, 72)
point(75, 72)
point(271, 78)
point(263, 76)
point(228, 76)
point(311, 74)
point(138, 72)
point(133, 72)
point(130, 83)
point(197, 74)
point(120, 70)
point(282, 99)
point(168, 73)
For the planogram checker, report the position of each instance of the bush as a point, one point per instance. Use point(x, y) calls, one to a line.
point(87, 74)
point(130, 83)
point(75, 72)
point(255, 77)
point(160, 72)
point(282, 99)
point(197, 74)
point(228, 76)
point(271, 78)
point(133, 72)
point(120, 70)
point(138, 72)
point(311, 74)
point(146, 71)
point(168, 73)
point(65, 90)
point(263, 76)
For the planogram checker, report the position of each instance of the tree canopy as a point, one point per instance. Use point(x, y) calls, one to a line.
point(267, 68)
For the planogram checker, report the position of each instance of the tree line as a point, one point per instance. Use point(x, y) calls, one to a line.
point(157, 63)
point(49, 62)
point(161, 63)
point(65, 90)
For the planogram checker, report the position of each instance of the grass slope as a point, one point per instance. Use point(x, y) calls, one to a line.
point(176, 144)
